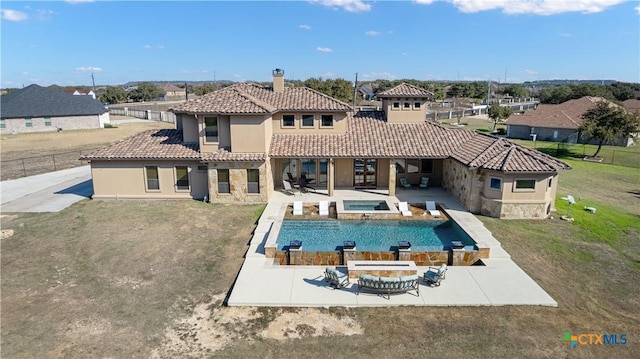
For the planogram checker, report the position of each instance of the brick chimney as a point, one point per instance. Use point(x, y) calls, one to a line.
point(278, 80)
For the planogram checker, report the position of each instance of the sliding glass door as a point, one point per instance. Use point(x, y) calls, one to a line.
point(364, 172)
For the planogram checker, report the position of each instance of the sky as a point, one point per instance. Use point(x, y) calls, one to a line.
point(65, 42)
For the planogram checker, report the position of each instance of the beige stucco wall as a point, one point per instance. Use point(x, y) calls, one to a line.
point(344, 172)
point(339, 123)
point(126, 180)
point(238, 182)
point(17, 125)
point(403, 115)
point(189, 126)
point(248, 134)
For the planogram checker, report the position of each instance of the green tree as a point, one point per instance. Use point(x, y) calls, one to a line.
point(515, 90)
point(146, 91)
point(204, 89)
point(112, 94)
point(606, 123)
point(498, 113)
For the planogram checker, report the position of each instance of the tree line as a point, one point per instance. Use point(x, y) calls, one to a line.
point(616, 92)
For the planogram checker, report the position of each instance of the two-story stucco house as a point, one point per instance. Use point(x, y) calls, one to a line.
point(239, 143)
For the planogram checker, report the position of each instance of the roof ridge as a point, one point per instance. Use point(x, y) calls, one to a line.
point(256, 101)
point(322, 94)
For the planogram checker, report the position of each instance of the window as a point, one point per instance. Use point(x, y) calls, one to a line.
point(151, 174)
point(27, 122)
point(203, 168)
point(400, 166)
point(550, 182)
point(412, 166)
point(47, 121)
point(396, 105)
point(496, 183)
point(525, 184)
point(211, 129)
point(406, 105)
point(223, 181)
point(327, 120)
point(2, 124)
point(307, 120)
point(426, 166)
point(182, 178)
point(253, 181)
point(416, 105)
point(288, 121)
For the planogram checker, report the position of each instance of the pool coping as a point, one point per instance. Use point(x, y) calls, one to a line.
point(499, 282)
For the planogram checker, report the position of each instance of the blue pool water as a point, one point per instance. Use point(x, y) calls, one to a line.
point(372, 235)
point(353, 205)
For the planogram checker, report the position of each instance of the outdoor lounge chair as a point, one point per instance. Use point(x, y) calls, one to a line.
point(424, 182)
point(291, 178)
point(434, 275)
point(287, 187)
point(403, 207)
point(304, 183)
point(335, 278)
point(431, 208)
point(324, 208)
point(404, 183)
point(297, 208)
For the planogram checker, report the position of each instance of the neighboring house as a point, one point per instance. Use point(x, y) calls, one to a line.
point(173, 92)
point(559, 123)
point(87, 92)
point(632, 105)
point(239, 143)
point(366, 92)
point(35, 108)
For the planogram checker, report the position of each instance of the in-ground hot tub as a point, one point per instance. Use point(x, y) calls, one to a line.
point(366, 209)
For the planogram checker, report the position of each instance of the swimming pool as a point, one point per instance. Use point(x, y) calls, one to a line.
point(372, 235)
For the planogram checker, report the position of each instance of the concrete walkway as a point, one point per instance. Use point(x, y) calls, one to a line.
point(499, 282)
point(48, 192)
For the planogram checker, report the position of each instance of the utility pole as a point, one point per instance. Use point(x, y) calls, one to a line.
point(186, 92)
point(93, 82)
point(355, 91)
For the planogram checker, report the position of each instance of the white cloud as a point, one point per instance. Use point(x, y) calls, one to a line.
point(13, 15)
point(328, 75)
point(379, 76)
point(565, 34)
point(88, 69)
point(149, 47)
point(324, 49)
point(537, 7)
point(372, 33)
point(44, 15)
point(530, 72)
point(73, 2)
point(637, 8)
point(348, 5)
point(194, 71)
point(305, 27)
point(24, 73)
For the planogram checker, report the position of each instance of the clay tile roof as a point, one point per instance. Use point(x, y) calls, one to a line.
point(406, 90)
point(488, 152)
point(369, 135)
point(150, 144)
point(223, 155)
point(256, 99)
point(565, 115)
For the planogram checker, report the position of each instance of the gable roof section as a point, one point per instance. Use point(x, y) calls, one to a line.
point(151, 144)
point(492, 153)
point(171, 88)
point(406, 90)
point(248, 98)
point(632, 105)
point(565, 115)
point(37, 101)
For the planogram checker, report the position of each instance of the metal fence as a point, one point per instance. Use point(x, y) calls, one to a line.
point(163, 116)
point(606, 155)
point(30, 166)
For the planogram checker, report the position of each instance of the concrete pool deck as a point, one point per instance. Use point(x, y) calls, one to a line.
point(499, 282)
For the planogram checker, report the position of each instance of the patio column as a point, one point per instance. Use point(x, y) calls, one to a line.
point(331, 181)
point(392, 177)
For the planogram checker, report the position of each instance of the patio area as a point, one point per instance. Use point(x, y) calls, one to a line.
point(499, 282)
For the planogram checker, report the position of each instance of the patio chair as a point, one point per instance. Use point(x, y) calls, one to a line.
point(287, 188)
point(291, 178)
point(424, 182)
point(297, 208)
point(304, 184)
point(404, 183)
point(431, 208)
point(403, 207)
point(335, 278)
point(324, 208)
point(434, 275)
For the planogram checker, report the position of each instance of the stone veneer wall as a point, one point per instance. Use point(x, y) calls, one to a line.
point(334, 258)
point(497, 208)
point(238, 182)
point(463, 184)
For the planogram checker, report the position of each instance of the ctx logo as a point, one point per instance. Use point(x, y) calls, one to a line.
point(594, 339)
